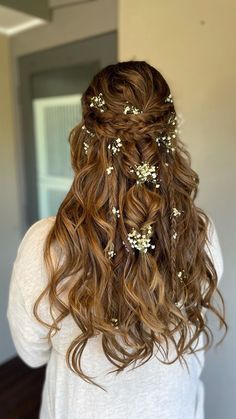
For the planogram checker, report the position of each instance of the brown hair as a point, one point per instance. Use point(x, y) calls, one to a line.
point(141, 290)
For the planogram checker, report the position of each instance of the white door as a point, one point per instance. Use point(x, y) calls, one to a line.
point(54, 117)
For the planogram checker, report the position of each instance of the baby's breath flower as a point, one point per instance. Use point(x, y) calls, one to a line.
point(109, 169)
point(169, 99)
point(115, 146)
point(116, 212)
point(86, 147)
point(98, 102)
point(141, 241)
point(131, 109)
point(145, 173)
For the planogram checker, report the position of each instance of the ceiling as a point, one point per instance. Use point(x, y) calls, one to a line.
point(13, 21)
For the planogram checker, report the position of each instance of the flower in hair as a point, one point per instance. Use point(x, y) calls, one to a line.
point(109, 169)
point(169, 98)
point(166, 140)
point(172, 119)
point(115, 146)
point(115, 322)
point(141, 241)
point(131, 109)
point(87, 131)
point(98, 102)
point(86, 147)
point(116, 212)
point(181, 275)
point(176, 212)
point(111, 252)
point(145, 172)
point(175, 235)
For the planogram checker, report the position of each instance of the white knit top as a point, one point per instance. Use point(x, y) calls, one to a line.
point(152, 391)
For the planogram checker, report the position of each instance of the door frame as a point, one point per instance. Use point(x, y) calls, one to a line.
point(101, 48)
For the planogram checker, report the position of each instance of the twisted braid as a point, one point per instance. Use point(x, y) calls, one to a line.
point(173, 233)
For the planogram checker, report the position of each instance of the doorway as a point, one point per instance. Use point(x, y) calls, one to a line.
point(51, 84)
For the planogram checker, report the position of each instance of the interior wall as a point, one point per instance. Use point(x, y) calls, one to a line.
point(72, 23)
point(193, 45)
point(10, 222)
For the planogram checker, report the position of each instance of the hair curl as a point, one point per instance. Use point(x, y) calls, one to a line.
point(138, 289)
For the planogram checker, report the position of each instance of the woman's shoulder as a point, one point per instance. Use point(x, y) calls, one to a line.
point(35, 234)
point(29, 253)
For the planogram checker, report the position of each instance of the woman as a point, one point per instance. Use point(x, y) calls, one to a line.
point(126, 270)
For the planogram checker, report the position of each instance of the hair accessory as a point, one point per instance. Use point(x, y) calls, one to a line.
point(109, 169)
point(141, 241)
point(169, 98)
point(172, 119)
point(175, 235)
point(176, 212)
point(116, 212)
point(111, 252)
point(131, 109)
point(98, 102)
point(181, 275)
point(145, 172)
point(87, 131)
point(114, 322)
point(166, 140)
point(115, 146)
point(86, 147)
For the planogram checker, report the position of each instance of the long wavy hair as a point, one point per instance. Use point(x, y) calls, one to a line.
point(136, 299)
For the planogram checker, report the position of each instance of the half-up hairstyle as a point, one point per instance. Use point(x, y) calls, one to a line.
point(132, 174)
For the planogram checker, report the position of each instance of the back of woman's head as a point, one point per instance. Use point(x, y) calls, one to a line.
point(132, 238)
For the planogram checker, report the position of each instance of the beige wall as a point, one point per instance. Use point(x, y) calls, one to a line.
point(193, 45)
point(10, 225)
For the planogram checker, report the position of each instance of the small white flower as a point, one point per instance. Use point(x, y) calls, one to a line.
point(169, 98)
point(116, 212)
point(98, 102)
point(166, 140)
point(109, 169)
point(111, 253)
point(174, 235)
point(146, 173)
point(116, 146)
point(141, 241)
point(176, 212)
point(87, 131)
point(130, 109)
point(86, 146)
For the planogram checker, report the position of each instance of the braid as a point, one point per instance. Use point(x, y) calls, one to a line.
point(113, 217)
point(173, 235)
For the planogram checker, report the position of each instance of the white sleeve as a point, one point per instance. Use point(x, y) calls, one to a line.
point(213, 249)
point(28, 279)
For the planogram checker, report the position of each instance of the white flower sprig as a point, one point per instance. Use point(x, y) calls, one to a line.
point(175, 235)
point(98, 102)
point(86, 147)
point(111, 252)
point(115, 146)
point(169, 98)
point(146, 173)
point(87, 131)
point(116, 212)
point(176, 212)
point(166, 140)
point(181, 276)
point(109, 169)
point(141, 241)
point(131, 109)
